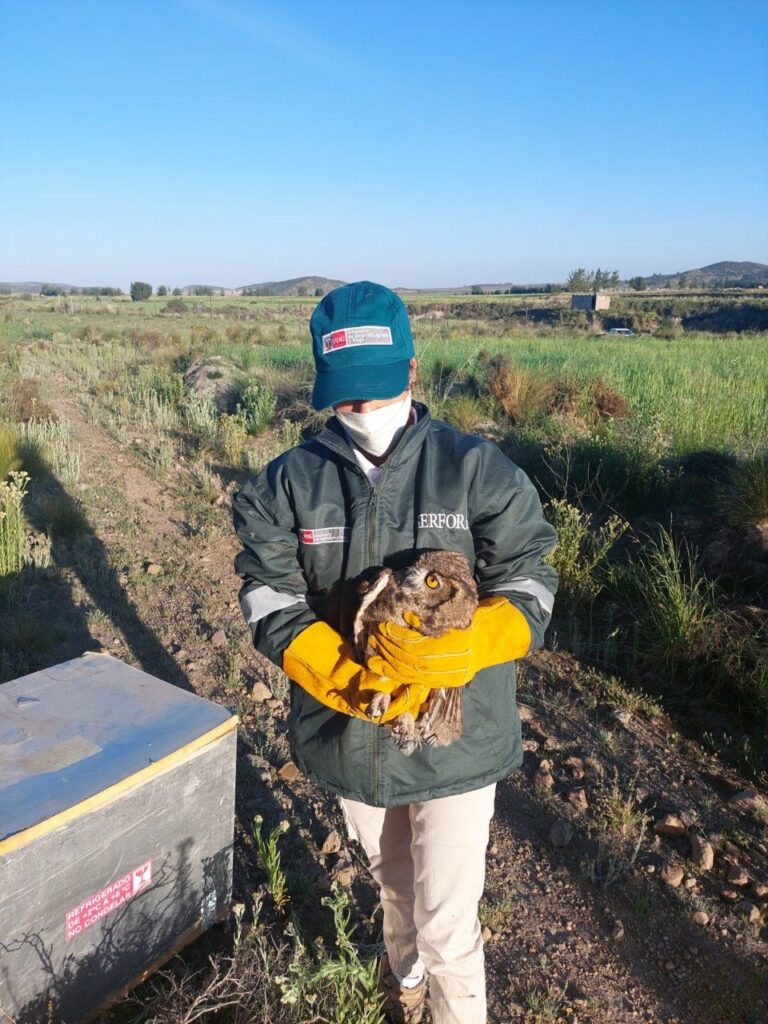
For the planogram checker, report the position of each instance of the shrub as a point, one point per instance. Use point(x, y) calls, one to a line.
point(140, 291)
point(46, 447)
point(744, 498)
point(233, 437)
point(13, 541)
point(64, 517)
point(9, 451)
point(465, 412)
point(522, 395)
point(168, 387)
point(581, 555)
point(256, 406)
point(675, 604)
point(669, 328)
point(175, 305)
point(22, 402)
point(201, 417)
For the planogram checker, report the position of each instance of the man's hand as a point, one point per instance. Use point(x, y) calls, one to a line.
point(499, 632)
point(323, 663)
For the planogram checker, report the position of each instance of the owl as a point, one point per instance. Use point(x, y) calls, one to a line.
point(440, 589)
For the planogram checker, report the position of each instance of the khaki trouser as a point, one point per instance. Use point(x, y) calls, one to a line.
point(429, 861)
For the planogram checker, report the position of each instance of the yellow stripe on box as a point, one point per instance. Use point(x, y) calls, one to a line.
point(111, 793)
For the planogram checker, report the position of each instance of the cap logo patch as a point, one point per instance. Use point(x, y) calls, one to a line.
point(325, 535)
point(350, 337)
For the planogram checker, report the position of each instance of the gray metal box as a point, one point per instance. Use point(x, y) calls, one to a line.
point(116, 829)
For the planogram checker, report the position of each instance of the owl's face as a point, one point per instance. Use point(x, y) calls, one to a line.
point(439, 586)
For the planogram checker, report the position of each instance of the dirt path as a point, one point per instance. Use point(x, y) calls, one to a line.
point(154, 586)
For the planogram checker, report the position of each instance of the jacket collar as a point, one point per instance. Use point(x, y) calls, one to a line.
point(334, 437)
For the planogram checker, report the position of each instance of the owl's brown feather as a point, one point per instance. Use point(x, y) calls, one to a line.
point(440, 590)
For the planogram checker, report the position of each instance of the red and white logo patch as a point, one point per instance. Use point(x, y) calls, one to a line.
point(108, 899)
point(325, 535)
point(352, 337)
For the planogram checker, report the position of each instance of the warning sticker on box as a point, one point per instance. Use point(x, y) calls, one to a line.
point(108, 899)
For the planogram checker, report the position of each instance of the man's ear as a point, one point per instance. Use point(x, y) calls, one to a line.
point(413, 372)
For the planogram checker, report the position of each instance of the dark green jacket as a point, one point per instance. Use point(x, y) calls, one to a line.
point(311, 524)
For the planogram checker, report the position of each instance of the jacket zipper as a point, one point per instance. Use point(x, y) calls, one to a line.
point(372, 496)
point(375, 734)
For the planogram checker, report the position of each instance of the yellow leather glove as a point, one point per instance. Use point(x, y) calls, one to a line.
point(498, 632)
point(323, 663)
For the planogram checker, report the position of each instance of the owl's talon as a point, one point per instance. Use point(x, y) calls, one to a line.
point(405, 734)
point(378, 705)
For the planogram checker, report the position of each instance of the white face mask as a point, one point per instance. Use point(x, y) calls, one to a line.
point(375, 431)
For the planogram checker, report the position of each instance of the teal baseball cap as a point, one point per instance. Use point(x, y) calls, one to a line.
point(362, 344)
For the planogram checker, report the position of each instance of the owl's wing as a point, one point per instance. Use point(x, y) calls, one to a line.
point(443, 721)
point(362, 624)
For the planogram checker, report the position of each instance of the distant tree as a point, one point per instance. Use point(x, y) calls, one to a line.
point(579, 280)
point(319, 293)
point(682, 281)
point(613, 279)
point(301, 290)
point(476, 289)
point(637, 284)
point(140, 291)
point(203, 289)
point(51, 289)
point(177, 291)
point(162, 290)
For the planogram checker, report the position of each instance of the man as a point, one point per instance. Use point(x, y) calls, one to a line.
point(382, 483)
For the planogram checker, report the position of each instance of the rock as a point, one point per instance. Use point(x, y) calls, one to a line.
point(332, 843)
point(750, 800)
point(525, 713)
point(543, 780)
point(672, 873)
point(257, 761)
point(701, 917)
point(487, 934)
point(153, 569)
point(623, 716)
point(578, 798)
point(617, 932)
point(260, 692)
point(690, 882)
point(213, 377)
point(670, 826)
point(702, 853)
point(737, 875)
point(219, 638)
point(759, 889)
point(551, 743)
point(530, 745)
point(345, 876)
point(289, 772)
point(560, 832)
point(750, 910)
point(576, 766)
point(729, 895)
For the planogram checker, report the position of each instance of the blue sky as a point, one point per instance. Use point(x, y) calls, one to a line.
point(418, 144)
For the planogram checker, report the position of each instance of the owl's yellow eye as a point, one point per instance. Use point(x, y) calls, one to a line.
point(432, 582)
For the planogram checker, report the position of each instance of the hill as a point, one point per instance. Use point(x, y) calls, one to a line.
point(726, 274)
point(295, 286)
point(34, 287)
